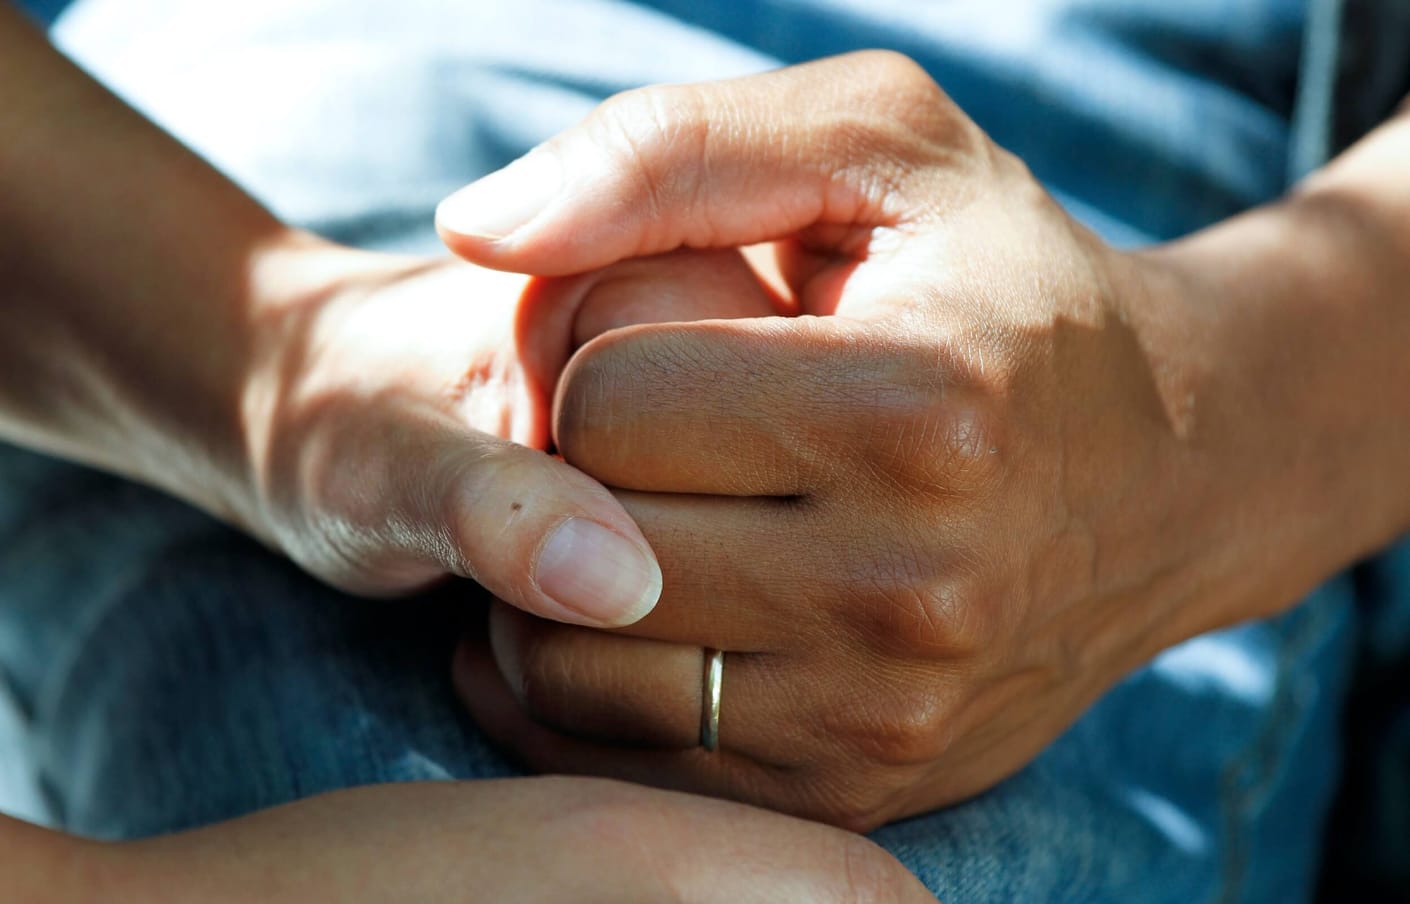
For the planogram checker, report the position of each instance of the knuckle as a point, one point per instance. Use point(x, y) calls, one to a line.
point(657, 137)
point(932, 620)
point(893, 616)
point(652, 113)
point(858, 802)
point(917, 601)
point(952, 617)
point(888, 72)
point(966, 453)
point(935, 425)
point(935, 449)
point(904, 92)
point(907, 730)
point(892, 727)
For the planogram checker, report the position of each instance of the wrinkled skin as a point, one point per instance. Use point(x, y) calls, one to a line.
point(986, 474)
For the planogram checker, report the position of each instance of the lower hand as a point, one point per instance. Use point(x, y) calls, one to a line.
point(550, 840)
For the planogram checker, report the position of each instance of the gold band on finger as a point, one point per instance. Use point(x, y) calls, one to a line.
point(710, 699)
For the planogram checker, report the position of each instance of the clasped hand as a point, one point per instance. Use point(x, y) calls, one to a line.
point(934, 469)
point(930, 518)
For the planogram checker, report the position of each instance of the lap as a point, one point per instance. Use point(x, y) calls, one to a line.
point(174, 673)
point(1204, 776)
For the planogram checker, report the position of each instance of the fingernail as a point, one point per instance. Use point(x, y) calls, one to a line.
point(505, 200)
point(598, 573)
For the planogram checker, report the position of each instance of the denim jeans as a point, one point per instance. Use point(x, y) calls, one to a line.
point(162, 671)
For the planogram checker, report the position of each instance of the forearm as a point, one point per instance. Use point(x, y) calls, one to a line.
point(1301, 345)
point(43, 866)
point(131, 276)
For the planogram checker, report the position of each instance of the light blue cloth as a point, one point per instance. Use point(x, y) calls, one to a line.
point(167, 672)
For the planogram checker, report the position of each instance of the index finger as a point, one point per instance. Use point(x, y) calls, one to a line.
point(758, 407)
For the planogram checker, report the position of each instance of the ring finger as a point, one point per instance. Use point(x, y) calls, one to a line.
point(625, 690)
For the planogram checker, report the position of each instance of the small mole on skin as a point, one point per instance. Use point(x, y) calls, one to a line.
point(517, 506)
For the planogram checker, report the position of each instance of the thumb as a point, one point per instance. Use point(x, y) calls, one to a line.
point(543, 536)
point(844, 142)
point(531, 529)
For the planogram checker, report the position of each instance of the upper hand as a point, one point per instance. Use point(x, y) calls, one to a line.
point(930, 524)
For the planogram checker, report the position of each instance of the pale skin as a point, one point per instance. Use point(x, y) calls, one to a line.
point(157, 323)
point(551, 839)
point(1000, 466)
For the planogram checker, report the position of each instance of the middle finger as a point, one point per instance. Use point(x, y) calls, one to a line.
point(734, 572)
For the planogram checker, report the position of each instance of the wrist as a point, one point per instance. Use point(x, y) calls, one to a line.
point(1290, 341)
point(47, 866)
point(127, 308)
point(191, 427)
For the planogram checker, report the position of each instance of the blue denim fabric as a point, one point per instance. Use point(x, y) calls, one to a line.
point(165, 672)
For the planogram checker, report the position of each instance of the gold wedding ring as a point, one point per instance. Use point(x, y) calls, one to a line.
point(710, 699)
